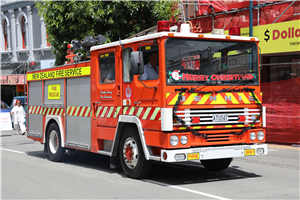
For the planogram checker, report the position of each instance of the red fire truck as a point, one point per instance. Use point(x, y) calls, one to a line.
point(204, 102)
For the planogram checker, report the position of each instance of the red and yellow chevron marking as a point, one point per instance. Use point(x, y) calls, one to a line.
point(53, 111)
point(216, 127)
point(79, 111)
point(227, 98)
point(71, 111)
point(37, 110)
point(145, 113)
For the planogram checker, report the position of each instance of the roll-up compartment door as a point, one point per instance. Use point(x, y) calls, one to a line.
point(78, 112)
point(35, 109)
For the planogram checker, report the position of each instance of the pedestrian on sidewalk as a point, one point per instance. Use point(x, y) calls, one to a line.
point(18, 115)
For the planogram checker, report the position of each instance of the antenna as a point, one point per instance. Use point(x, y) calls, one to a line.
point(118, 25)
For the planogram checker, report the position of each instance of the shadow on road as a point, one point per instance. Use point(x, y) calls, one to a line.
point(173, 174)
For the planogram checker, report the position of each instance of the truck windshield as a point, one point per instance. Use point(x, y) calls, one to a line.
point(194, 62)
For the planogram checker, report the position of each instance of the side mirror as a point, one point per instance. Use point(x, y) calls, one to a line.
point(137, 62)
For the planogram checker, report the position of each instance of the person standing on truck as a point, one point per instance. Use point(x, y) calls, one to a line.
point(18, 114)
point(151, 68)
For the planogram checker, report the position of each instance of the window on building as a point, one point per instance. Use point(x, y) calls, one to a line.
point(5, 30)
point(24, 40)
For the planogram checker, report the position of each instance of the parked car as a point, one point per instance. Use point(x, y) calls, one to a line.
point(5, 107)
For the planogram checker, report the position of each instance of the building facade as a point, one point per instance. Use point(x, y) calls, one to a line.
point(277, 25)
point(23, 45)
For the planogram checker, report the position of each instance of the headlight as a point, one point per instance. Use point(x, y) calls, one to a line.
point(260, 135)
point(252, 136)
point(183, 139)
point(174, 140)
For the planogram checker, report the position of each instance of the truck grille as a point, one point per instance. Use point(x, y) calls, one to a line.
point(217, 117)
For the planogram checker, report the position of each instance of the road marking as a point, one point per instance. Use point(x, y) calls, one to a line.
point(12, 150)
point(185, 189)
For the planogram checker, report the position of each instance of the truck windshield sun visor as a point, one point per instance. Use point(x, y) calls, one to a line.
point(197, 62)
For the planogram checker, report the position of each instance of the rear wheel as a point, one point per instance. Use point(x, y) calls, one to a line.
point(216, 164)
point(133, 161)
point(55, 150)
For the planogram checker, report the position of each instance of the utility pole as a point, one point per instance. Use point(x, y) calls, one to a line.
point(251, 18)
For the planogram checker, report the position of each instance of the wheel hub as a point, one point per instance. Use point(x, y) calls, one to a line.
point(53, 141)
point(130, 153)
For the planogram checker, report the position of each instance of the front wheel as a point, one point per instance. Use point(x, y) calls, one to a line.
point(133, 161)
point(216, 164)
point(55, 150)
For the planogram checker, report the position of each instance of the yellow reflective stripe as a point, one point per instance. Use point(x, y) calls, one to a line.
point(61, 111)
point(82, 110)
point(117, 112)
point(110, 111)
point(104, 111)
point(210, 127)
point(139, 111)
point(155, 113)
point(98, 110)
point(220, 100)
point(146, 113)
point(76, 112)
point(228, 126)
point(258, 101)
point(131, 111)
point(233, 99)
point(204, 99)
point(72, 110)
point(190, 99)
point(125, 110)
point(244, 98)
point(167, 94)
point(88, 112)
point(174, 100)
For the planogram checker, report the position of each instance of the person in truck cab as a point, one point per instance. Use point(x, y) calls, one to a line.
point(151, 68)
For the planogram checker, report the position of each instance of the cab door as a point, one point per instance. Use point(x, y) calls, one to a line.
point(106, 93)
point(139, 100)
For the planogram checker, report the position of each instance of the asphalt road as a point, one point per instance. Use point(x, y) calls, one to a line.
point(27, 173)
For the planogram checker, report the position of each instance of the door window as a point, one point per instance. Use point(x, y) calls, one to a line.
point(127, 73)
point(107, 67)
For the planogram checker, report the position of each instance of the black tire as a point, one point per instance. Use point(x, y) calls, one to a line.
point(56, 152)
point(133, 161)
point(216, 164)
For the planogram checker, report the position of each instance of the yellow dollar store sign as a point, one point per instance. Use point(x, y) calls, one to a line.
point(54, 91)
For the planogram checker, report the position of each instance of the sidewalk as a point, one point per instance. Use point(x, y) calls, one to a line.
point(284, 146)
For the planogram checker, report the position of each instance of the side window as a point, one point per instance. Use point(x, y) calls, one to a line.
point(151, 68)
point(23, 26)
point(127, 73)
point(107, 67)
point(5, 30)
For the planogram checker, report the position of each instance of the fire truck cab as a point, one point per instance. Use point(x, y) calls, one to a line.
point(200, 100)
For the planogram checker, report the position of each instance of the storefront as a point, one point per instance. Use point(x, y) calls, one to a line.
point(11, 86)
point(280, 70)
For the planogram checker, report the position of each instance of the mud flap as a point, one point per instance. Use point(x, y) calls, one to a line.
point(115, 162)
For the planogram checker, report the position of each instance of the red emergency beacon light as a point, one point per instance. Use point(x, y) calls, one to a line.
point(235, 30)
point(163, 26)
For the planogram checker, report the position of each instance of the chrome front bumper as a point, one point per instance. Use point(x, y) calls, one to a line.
point(207, 153)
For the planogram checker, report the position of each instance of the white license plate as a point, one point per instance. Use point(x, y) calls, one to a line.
point(220, 118)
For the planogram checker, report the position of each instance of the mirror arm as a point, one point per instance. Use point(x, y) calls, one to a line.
point(139, 78)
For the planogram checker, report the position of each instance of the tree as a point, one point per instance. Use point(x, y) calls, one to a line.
point(74, 20)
